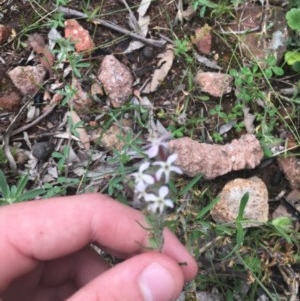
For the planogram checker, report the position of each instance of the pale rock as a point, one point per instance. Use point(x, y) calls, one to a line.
point(214, 83)
point(290, 166)
point(213, 160)
point(257, 208)
point(81, 101)
point(28, 79)
point(110, 138)
point(116, 79)
point(76, 33)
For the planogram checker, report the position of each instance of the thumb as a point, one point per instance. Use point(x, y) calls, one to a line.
point(145, 277)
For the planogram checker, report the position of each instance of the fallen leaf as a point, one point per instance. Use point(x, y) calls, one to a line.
point(163, 67)
point(46, 58)
point(248, 120)
point(143, 23)
point(83, 135)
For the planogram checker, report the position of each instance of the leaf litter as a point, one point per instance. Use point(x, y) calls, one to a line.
point(155, 115)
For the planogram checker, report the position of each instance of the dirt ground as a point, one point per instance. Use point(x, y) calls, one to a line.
point(177, 97)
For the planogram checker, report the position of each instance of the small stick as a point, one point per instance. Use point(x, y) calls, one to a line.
point(72, 12)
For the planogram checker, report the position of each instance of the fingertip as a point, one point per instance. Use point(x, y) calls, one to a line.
point(145, 277)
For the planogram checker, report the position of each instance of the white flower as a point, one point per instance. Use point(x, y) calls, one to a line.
point(142, 180)
point(158, 202)
point(166, 168)
point(156, 143)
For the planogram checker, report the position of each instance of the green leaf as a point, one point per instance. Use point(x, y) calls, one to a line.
point(296, 67)
point(21, 185)
point(278, 71)
point(293, 17)
point(30, 195)
point(4, 188)
point(190, 185)
point(292, 57)
point(207, 208)
point(244, 201)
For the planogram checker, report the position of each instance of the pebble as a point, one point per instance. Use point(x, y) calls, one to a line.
point(76, 33)
point(42, 150)
point(28, 79)
point(116, 79)
point(257, 208)
point(214, 83)
point(148, 52)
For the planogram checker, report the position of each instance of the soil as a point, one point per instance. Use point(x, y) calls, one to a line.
point(176, 95)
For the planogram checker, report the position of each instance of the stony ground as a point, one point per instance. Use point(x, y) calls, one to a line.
point(85, 87)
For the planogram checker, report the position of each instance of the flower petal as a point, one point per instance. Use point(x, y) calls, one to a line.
point(169, 203)
point(172, 158)
point(150, 197)
point(163, 191)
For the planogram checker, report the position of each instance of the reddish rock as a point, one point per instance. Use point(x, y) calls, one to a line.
point(28, 79)
point(203, 39)
point(10, 101)
point(116, 79)
point(290, 166)
point(257, 208)
point(4, 33)
point(214, 83)
point(213, 160)
point(76, 33)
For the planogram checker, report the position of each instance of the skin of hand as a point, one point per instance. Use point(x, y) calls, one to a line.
point(46, 254)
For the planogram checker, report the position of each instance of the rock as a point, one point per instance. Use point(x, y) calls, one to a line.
point(148, 52)
point(28, 79)
point(116, 79)
point(81, 101)
point(214, 83)
point(42, 150)
point(203, 39)
point(290, 166)
point(109, 138)
point(4, 33)
point(257, 208)
point(10, 101)
point(256, 44)
point(76, 33)
point(293, 198)
point(213, 160)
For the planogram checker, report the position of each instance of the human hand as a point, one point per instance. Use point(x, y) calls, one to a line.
point(45, 253)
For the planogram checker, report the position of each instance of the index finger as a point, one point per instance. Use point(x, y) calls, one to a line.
point(49, 229)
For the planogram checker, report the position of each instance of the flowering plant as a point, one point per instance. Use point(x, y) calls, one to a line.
point(151, 187)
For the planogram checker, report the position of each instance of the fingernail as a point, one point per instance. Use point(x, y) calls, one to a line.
point(156, 283)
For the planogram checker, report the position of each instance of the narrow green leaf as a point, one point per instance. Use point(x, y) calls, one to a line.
point(4, 188)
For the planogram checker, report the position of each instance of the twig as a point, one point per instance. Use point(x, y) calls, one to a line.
point(34, 122)
point(133, 23)
point(8, 134)
point(72, 12)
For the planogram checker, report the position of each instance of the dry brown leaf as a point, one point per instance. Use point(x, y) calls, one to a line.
point(83, 135)
point(46, 58)
point(163, 67)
